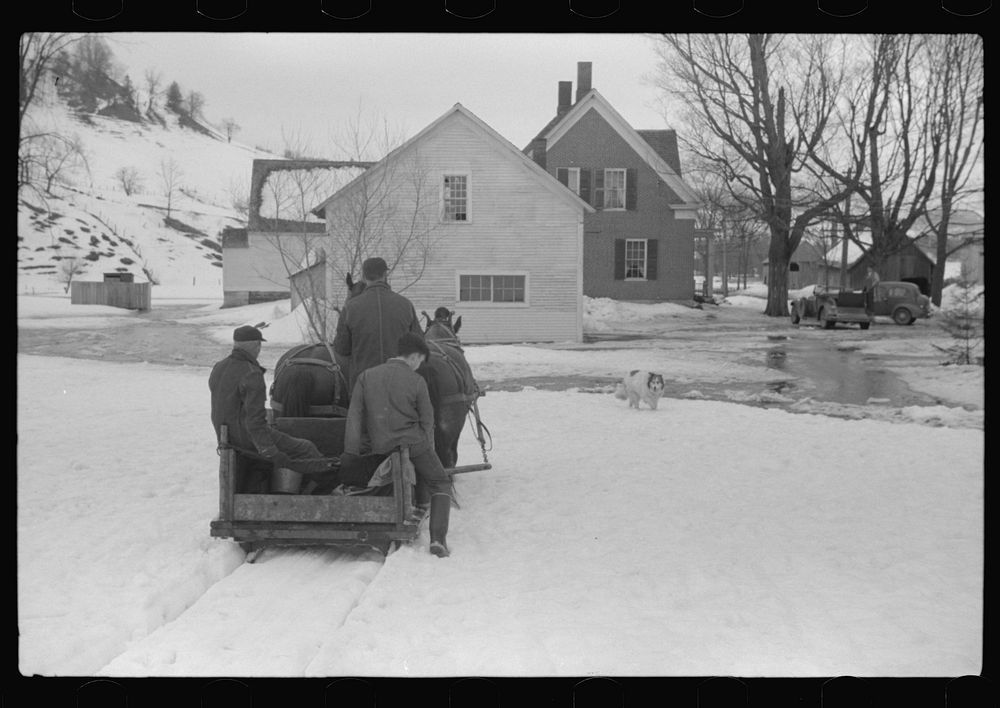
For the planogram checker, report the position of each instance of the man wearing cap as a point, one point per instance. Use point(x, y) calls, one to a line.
point(238, 395)
point(372, 322)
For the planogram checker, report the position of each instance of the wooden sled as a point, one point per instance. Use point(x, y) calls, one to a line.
point(259, 520)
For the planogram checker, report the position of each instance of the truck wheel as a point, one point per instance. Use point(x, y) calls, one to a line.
point(827, 324)
point(902, 316)
point(795, 315)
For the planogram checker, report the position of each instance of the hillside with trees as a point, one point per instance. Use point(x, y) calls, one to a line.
point(118, 173)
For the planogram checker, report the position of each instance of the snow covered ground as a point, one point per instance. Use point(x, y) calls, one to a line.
point(704, 538)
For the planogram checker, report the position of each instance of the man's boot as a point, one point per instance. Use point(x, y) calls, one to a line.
point(440, 511)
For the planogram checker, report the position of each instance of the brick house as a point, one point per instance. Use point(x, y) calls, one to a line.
point(639, 241)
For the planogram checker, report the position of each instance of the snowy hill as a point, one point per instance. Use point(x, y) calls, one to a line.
point(89, 216)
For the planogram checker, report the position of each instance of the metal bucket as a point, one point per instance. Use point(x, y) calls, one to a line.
point(285, 481)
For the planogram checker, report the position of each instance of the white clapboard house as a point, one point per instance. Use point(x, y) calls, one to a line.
point(505, 237)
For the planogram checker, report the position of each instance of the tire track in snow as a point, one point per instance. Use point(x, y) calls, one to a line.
point(268, 618)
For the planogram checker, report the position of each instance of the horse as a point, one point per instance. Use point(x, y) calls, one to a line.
point(450, 383)
point(310, 380)
point(441, 328)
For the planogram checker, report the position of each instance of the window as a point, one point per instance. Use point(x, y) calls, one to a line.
point(635, 259)
point(491, 288)
point(614, 189)
point(456, 198)
point(573, 179)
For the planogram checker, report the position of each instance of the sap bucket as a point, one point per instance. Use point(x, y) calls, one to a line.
point(285, 481)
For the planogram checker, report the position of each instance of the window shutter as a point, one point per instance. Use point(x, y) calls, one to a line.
point(585, 185)
point(631, 188)
point(599, 189)
point(562, 174)
point(619, 259)
point(651, 245)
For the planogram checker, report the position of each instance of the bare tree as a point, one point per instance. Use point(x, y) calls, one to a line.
point(231, 127)
point(957, 75)
point(759, 107)
point(69, 268)
point(129, 179)
point(154, 89)
point(37, 52)
point(57, 157)
point(708, 220)
point(195, 103)
point(890, 115)
point(170, 181)
point(239, 195)
point(389, 211)
point(289, 195)
point(743, 231)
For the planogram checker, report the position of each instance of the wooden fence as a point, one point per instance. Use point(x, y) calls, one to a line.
point(131, 296)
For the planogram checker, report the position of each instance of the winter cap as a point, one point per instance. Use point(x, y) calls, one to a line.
point(374, 268)
point(247, 333)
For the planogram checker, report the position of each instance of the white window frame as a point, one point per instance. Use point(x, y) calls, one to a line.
point(491, 303)
point(645, 258)
point(570, 172)
point(624, 174)
point(468, 197)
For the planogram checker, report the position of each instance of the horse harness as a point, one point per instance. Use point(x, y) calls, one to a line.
point(333, 368)
point(469, 398)
point(465, 396)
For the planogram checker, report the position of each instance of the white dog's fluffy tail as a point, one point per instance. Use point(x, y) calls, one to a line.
point(620, 392)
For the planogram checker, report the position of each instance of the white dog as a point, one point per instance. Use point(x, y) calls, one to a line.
point(640, 386)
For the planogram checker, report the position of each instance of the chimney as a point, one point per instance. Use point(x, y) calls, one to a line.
point(538, 151)
point(583, 69)
point(565, 97)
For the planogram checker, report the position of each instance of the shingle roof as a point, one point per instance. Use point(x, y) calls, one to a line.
point(665, 144)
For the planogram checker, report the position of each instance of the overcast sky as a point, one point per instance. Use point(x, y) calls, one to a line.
point(305, 82)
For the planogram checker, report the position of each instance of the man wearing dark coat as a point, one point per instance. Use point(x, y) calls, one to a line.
point(372, 322)
point(238, 396)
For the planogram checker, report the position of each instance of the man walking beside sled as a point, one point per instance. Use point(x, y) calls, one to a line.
point(391, 407)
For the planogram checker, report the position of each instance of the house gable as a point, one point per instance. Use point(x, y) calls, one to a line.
point(502, 147)
point(511, 265)
point(593, 101)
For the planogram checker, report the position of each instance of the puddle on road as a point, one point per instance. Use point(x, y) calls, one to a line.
point(812, 368)
point(843, 375)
